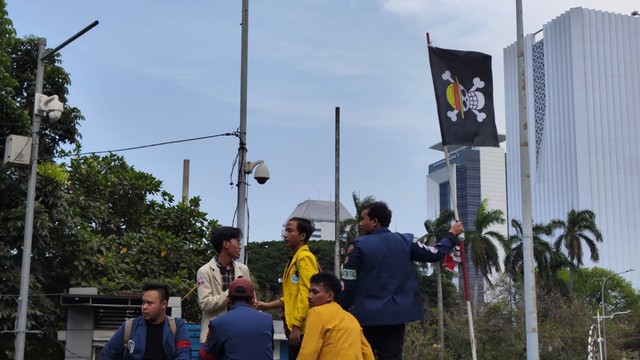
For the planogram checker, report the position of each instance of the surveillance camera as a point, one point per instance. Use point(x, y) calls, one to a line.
point(48, 106)
point(261, 174)
point(54, 115)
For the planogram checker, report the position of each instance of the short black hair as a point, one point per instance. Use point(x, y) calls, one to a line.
point(224, 233)
point(379, 210)
point(328, 281)
point(163, 289)
point(304, 226)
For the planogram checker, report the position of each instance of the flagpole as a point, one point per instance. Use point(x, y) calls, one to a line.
point(465, 277)
point(530, 306)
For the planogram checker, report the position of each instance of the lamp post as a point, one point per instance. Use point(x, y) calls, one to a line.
point(604, 327)
point(23, 298)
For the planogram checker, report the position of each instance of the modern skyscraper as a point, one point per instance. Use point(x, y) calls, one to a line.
point(479, 174)
point(583, 105)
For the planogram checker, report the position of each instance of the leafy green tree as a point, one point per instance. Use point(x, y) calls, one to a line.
point(619, 293)
point(132, 230)
point(350, 226)
point(623, 338)
point(484, 252)
point(580, 226)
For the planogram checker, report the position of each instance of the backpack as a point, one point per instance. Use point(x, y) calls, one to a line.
point(129, 324)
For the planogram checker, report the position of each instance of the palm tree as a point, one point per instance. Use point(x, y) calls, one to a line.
point(350, 226)
point(484, 252)
point(548, 260)
point(579, 227)
point(436, 230)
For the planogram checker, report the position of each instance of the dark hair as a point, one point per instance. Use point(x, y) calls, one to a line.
point(162, 289)
point(304, 226)
point(379, 210)
point(223, 233)
point(328, 281)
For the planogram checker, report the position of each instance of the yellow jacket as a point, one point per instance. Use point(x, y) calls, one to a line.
point(332, 334)
point(295, 287)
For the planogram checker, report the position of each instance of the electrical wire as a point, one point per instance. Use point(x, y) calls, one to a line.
point(66, 349)
point(149, 145)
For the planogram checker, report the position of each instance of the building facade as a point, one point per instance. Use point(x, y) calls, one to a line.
point(583, 107)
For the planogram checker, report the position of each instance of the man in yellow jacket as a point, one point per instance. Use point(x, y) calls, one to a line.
point(331, 333)
point(295, 282)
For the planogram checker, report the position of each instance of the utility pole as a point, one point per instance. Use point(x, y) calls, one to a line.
point(530, 306)
point(23, 298)
point(242, 136)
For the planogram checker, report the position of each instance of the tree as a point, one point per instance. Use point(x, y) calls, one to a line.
point(52, 223)
point(350, 226)
point(580, 226)
point(619, 292)
point(484, 252)
point(548, 261)
point(97, 221)
point(131, 230)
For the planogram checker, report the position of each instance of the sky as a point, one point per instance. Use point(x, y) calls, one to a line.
point(156, 71)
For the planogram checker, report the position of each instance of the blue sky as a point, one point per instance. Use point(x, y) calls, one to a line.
point(160, 70)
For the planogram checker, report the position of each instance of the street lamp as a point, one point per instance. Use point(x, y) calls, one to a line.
point(50, 107)
point(600, 318)
point(604, 327)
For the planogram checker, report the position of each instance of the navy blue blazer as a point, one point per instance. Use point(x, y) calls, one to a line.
point(241, 333)
point(381, 286)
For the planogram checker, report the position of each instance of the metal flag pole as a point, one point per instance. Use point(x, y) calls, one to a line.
point(465, 277)
point(336, 255)
point(454, 203)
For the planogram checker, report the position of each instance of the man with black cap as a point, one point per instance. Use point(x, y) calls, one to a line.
point(241, 333)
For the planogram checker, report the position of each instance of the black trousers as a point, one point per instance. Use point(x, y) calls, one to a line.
point(385, 340)
point(293, 349)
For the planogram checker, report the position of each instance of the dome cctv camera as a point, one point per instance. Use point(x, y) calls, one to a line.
point(49, 106)
point(261, 174)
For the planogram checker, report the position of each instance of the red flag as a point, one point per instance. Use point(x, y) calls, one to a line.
point(452, 259)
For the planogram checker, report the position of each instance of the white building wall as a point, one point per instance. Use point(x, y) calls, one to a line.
point(493, 188)
point(589, 157)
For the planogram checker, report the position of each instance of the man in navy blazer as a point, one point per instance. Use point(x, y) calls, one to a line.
point(241, 333)
point(380, 283)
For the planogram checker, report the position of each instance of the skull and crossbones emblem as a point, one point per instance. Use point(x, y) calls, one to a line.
point(462, 100)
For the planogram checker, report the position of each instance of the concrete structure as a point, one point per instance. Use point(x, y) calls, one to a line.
point(479, 173)
point(583, 101)
point(322, 213)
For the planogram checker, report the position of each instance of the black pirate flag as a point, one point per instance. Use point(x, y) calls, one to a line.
point(463, 85)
